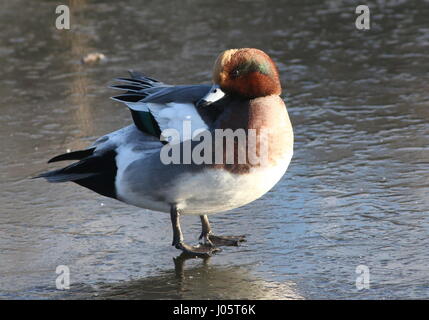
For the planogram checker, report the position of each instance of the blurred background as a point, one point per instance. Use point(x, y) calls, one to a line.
point(356, 192)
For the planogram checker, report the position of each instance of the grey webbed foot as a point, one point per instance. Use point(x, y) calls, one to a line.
point(202, 250)
point(213, 240)
point(219, 241)
point(233, 241)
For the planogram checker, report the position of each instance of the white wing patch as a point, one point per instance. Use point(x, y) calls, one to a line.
point(182, 117)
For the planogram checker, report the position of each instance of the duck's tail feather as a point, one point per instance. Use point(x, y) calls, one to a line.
point(138, 81)
point(141, 77)
point(75, 155)
point(129, 87)
point(136, 88)
point(94, 171)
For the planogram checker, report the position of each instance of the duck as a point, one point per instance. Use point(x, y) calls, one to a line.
point(134, 164)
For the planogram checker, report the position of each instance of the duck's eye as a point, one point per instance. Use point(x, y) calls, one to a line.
point(235, 73)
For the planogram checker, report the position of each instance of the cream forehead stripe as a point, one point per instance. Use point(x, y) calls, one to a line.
point(221, 60)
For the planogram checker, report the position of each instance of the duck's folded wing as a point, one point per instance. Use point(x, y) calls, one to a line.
point(156, 106)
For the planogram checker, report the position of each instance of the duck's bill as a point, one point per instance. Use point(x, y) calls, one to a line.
point(214, 95)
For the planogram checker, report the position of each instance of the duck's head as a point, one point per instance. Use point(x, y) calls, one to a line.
point(246, 73)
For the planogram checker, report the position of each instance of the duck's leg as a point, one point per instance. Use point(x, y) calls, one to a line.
point(210, 239)
point(201, 250)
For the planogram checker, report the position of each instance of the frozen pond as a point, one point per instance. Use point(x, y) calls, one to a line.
point(356, 192)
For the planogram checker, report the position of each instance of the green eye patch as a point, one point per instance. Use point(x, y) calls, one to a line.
point(252, 66)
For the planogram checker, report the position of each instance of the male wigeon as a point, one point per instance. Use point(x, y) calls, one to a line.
point(126, 164)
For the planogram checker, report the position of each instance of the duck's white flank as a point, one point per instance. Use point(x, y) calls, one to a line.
point(219, 190)
point(207, 191)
